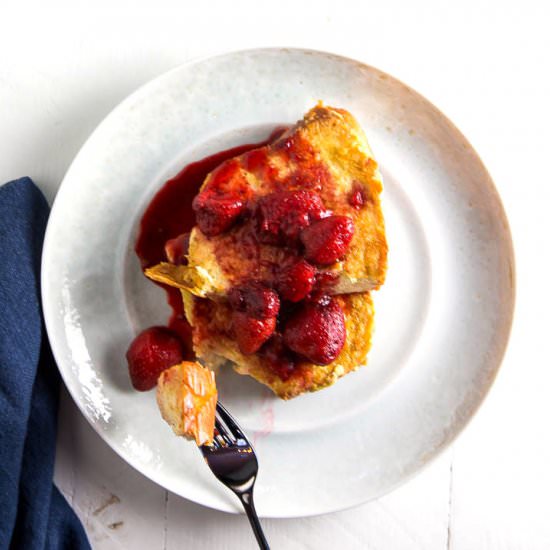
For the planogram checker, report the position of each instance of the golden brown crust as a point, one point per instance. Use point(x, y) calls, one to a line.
point(343, 146)
point(214, 345)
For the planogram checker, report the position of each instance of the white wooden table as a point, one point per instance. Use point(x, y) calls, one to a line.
point(65, 65)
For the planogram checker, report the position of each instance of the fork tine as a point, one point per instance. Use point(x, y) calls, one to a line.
point(222, 437)
point(224, 430)
point(232, 427)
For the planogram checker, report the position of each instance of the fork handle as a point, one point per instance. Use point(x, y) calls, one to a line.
point(248, 505)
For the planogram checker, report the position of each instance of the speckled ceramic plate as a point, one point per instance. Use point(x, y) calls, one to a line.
point(443, 317)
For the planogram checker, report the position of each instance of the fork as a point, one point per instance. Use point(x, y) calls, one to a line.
point(233, 461)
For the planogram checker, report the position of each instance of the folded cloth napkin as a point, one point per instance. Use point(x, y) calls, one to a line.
point(34, 514)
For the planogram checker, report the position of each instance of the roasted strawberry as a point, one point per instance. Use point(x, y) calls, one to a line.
point(317, 331)
point(223, 200)
point(326, 241)
point(255, 299)
point(176, 249)
point(216, 212)
point(251, 333)
point(295, 280)
point(281, 216)
point(151, 352)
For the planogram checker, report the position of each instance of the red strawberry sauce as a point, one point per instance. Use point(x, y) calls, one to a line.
point(170, 214)
point(293, 217)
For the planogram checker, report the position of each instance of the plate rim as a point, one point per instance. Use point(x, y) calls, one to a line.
point(507, 243)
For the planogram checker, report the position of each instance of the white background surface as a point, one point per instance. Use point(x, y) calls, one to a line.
point(65, 65)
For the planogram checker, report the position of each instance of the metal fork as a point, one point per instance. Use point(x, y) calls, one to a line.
point(233, 461)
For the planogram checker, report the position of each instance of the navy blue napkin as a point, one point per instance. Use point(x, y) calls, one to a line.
point(33, 513)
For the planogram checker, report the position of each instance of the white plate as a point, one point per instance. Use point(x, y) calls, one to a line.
point(443, 316)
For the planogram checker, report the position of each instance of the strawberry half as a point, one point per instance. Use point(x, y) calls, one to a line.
point(151, 352)
point(295, 281)
point(326, 241)
point(317, 331)
point(252, 333)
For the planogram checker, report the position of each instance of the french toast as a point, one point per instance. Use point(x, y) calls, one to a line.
point(325, 156)
point(277, 272)
point(215, 346)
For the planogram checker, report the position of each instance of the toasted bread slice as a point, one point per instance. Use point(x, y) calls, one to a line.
point(187, 397)
point(326, 152)
point(214, 345)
